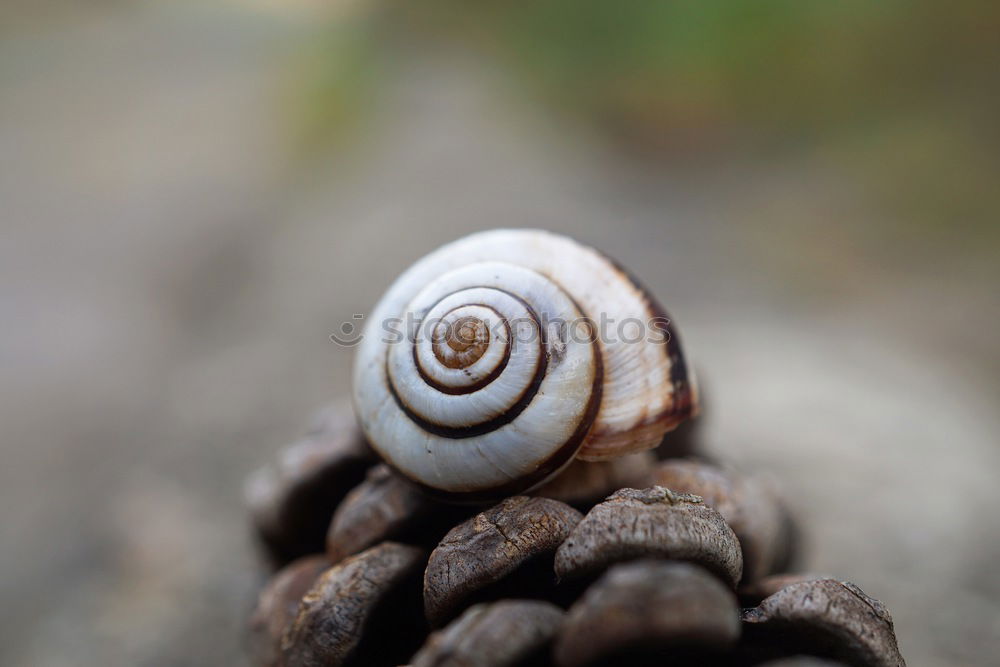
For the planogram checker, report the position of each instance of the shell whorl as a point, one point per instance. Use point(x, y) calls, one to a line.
point(481, 370)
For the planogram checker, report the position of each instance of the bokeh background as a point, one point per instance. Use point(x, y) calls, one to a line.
point(194, 195)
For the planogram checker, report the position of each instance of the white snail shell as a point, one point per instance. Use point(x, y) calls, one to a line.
point(492, 395)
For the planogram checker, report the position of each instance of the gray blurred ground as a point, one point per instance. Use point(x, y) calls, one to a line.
point(170, 278)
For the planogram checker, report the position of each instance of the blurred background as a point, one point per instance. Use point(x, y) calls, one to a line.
point(195, 195)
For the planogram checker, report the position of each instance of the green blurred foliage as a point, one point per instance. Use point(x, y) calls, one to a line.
point(900, 94)
point(335, 76)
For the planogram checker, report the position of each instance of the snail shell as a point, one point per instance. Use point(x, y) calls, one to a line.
point(482, 370)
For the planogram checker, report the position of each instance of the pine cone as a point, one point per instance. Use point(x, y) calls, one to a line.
point(632, 561)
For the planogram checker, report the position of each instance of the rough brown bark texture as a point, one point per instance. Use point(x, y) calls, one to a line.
point(656, 606)
point(835, 617)
point(754, 593)
point(278, 604)
point(291, 503)
point(749, 505)
point(584, 483)
point(335, 612)
point(387, 507)
point(655, 522)
point(490, 546)
point(497, 634)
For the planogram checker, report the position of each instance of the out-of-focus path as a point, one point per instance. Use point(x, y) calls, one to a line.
point(169, 282)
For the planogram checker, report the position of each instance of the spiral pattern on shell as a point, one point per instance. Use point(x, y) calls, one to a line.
point(481, 371)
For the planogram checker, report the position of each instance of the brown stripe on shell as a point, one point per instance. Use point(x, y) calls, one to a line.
point(684, 400)
point(503, 419)
point(556, 462)
point(476, 386)
point(546, 469)
point(467, 351)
